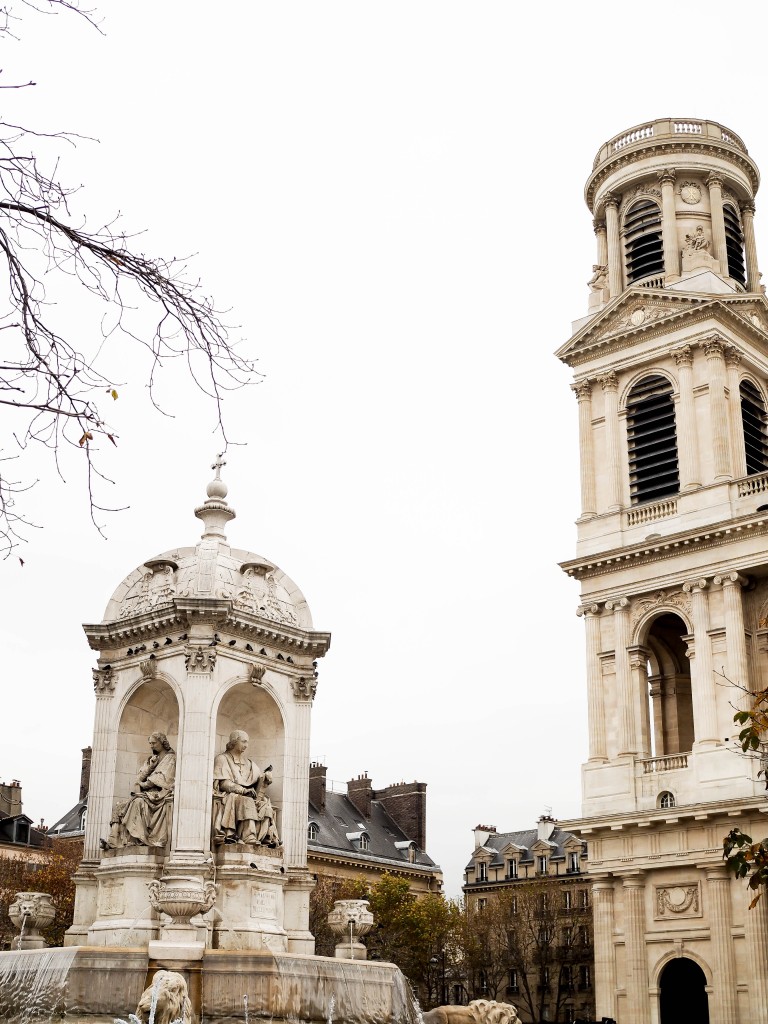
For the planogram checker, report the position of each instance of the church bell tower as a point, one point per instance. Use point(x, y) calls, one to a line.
point(671, 379)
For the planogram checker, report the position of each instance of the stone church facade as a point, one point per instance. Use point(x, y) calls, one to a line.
point(671, 379)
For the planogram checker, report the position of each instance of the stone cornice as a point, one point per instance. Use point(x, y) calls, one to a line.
point(725, 532)
point(710, 811)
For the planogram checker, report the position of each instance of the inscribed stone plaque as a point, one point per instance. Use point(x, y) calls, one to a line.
point(263, 903)
point(111, 898)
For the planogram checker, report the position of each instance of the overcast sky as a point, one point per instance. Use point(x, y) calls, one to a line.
point(389, 199)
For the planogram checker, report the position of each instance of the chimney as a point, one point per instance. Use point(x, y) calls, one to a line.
point(317, 785)
point(85, 773)
point(406, 804)
point(359, 793)
point(10, 799)
point(482, 834)
point(546, 826)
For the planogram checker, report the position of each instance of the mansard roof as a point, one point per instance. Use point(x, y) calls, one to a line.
point(501, 842)
point(388, 843)
point(645, 312)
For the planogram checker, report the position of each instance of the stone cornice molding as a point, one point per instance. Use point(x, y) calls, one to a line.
point(683, 355)
point(615, 559)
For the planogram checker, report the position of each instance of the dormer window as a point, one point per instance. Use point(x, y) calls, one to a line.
point(643, 245)
point(83, 818)
point(574, 861)
point(512, 869)
point(541, 865)
point(482, 871)
point(666, 799)
point(365, 841)
point(313, 830)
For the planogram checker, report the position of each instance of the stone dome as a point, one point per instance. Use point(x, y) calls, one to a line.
point(212, 571)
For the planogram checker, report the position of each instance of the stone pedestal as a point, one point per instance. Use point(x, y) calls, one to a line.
point(250, 906)
point(123, 912)
point(700, 261)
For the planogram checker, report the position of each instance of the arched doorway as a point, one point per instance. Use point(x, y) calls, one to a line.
point(682, 993)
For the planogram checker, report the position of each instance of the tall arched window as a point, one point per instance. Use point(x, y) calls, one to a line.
point(653, 469)
point(643, 245)
point(753, 418)
point(734, 244)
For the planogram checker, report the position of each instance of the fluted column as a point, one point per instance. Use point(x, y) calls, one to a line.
point(602, 242)
point(704, 691)
point(595, 703)
point(724, 1007)
point(687, 432)
point(620, 608)
point(101, 795)
point(605, 954)
point(750, 248)
point(756, 935)
point(669, 223)
point(615, 273)
point(736, 641)
point(738, 451)
point(715, 186)
point(583, 391)
point(610, 385)
point(718, 408)
point(634, 951)
point(294, 821)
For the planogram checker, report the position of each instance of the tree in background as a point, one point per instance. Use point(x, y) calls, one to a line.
point(51, 871)
point(49, 377)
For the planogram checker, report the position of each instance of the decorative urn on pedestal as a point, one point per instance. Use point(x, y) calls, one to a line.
point(29, 912)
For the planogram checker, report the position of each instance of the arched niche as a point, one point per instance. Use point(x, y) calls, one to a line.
point(254, 710)
point(683, 992)
point(669, 683)
point(151, 707)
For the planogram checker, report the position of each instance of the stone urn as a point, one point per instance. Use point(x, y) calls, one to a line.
point(29, 913)
point(350, 919)
point(181, 897)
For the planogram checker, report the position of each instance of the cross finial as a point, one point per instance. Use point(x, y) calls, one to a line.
point(218, 463)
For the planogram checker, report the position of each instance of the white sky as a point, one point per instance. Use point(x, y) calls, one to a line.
point(389, 198)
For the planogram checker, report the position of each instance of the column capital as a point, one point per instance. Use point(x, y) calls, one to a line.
point(609, 381)
point(748, 206)
point(732, 356)
point(714, 180)
point(666, 176)
point(731, 579)
point(611, 199)
point(697, 586)
point(582, 389)
point(635, 880)
point(714, 347)
point(716, 872)
point(617, 604)
point(104, 681)
point(588, 609)
point(684, 355)
point(598, 224)
point(638, 655)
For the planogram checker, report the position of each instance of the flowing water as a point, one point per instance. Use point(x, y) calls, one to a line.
point(33, 983)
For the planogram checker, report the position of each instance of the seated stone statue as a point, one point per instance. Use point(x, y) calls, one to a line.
point(242, 812)
point(145, 819)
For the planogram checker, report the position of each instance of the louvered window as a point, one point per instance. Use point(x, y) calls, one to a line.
point(734, 244)
point(653, 469)
point(754, 420)
point(643, 246)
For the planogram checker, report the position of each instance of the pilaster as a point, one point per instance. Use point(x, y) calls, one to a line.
point(634, 947)
point(704, 693)
point(736, 641)
point(756, 936)
point(595, 702)
point(688, 447)
point(735, 422)
point(725, 1006)
point(605, 957)
point(669, 223)
point(718, 408)
point(610, 385)
point(602, 242)
point(627, 734)
point(102, 763)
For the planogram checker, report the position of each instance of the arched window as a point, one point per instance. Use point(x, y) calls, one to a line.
point(669, 704)
point(643, 245)
point(734, 244)
point(653, 470)
point(365, 841)
point(666, 799)
point(312, 830)
point(754, 420)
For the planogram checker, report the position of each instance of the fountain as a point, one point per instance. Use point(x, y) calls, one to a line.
point(195, 858)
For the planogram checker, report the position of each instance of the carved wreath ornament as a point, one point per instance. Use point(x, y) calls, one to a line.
point(678, 899)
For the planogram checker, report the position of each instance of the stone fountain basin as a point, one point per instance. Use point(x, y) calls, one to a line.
point(106, 982)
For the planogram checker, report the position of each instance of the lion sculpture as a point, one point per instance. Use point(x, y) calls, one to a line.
point(479, 1011)
point(172, 1003)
